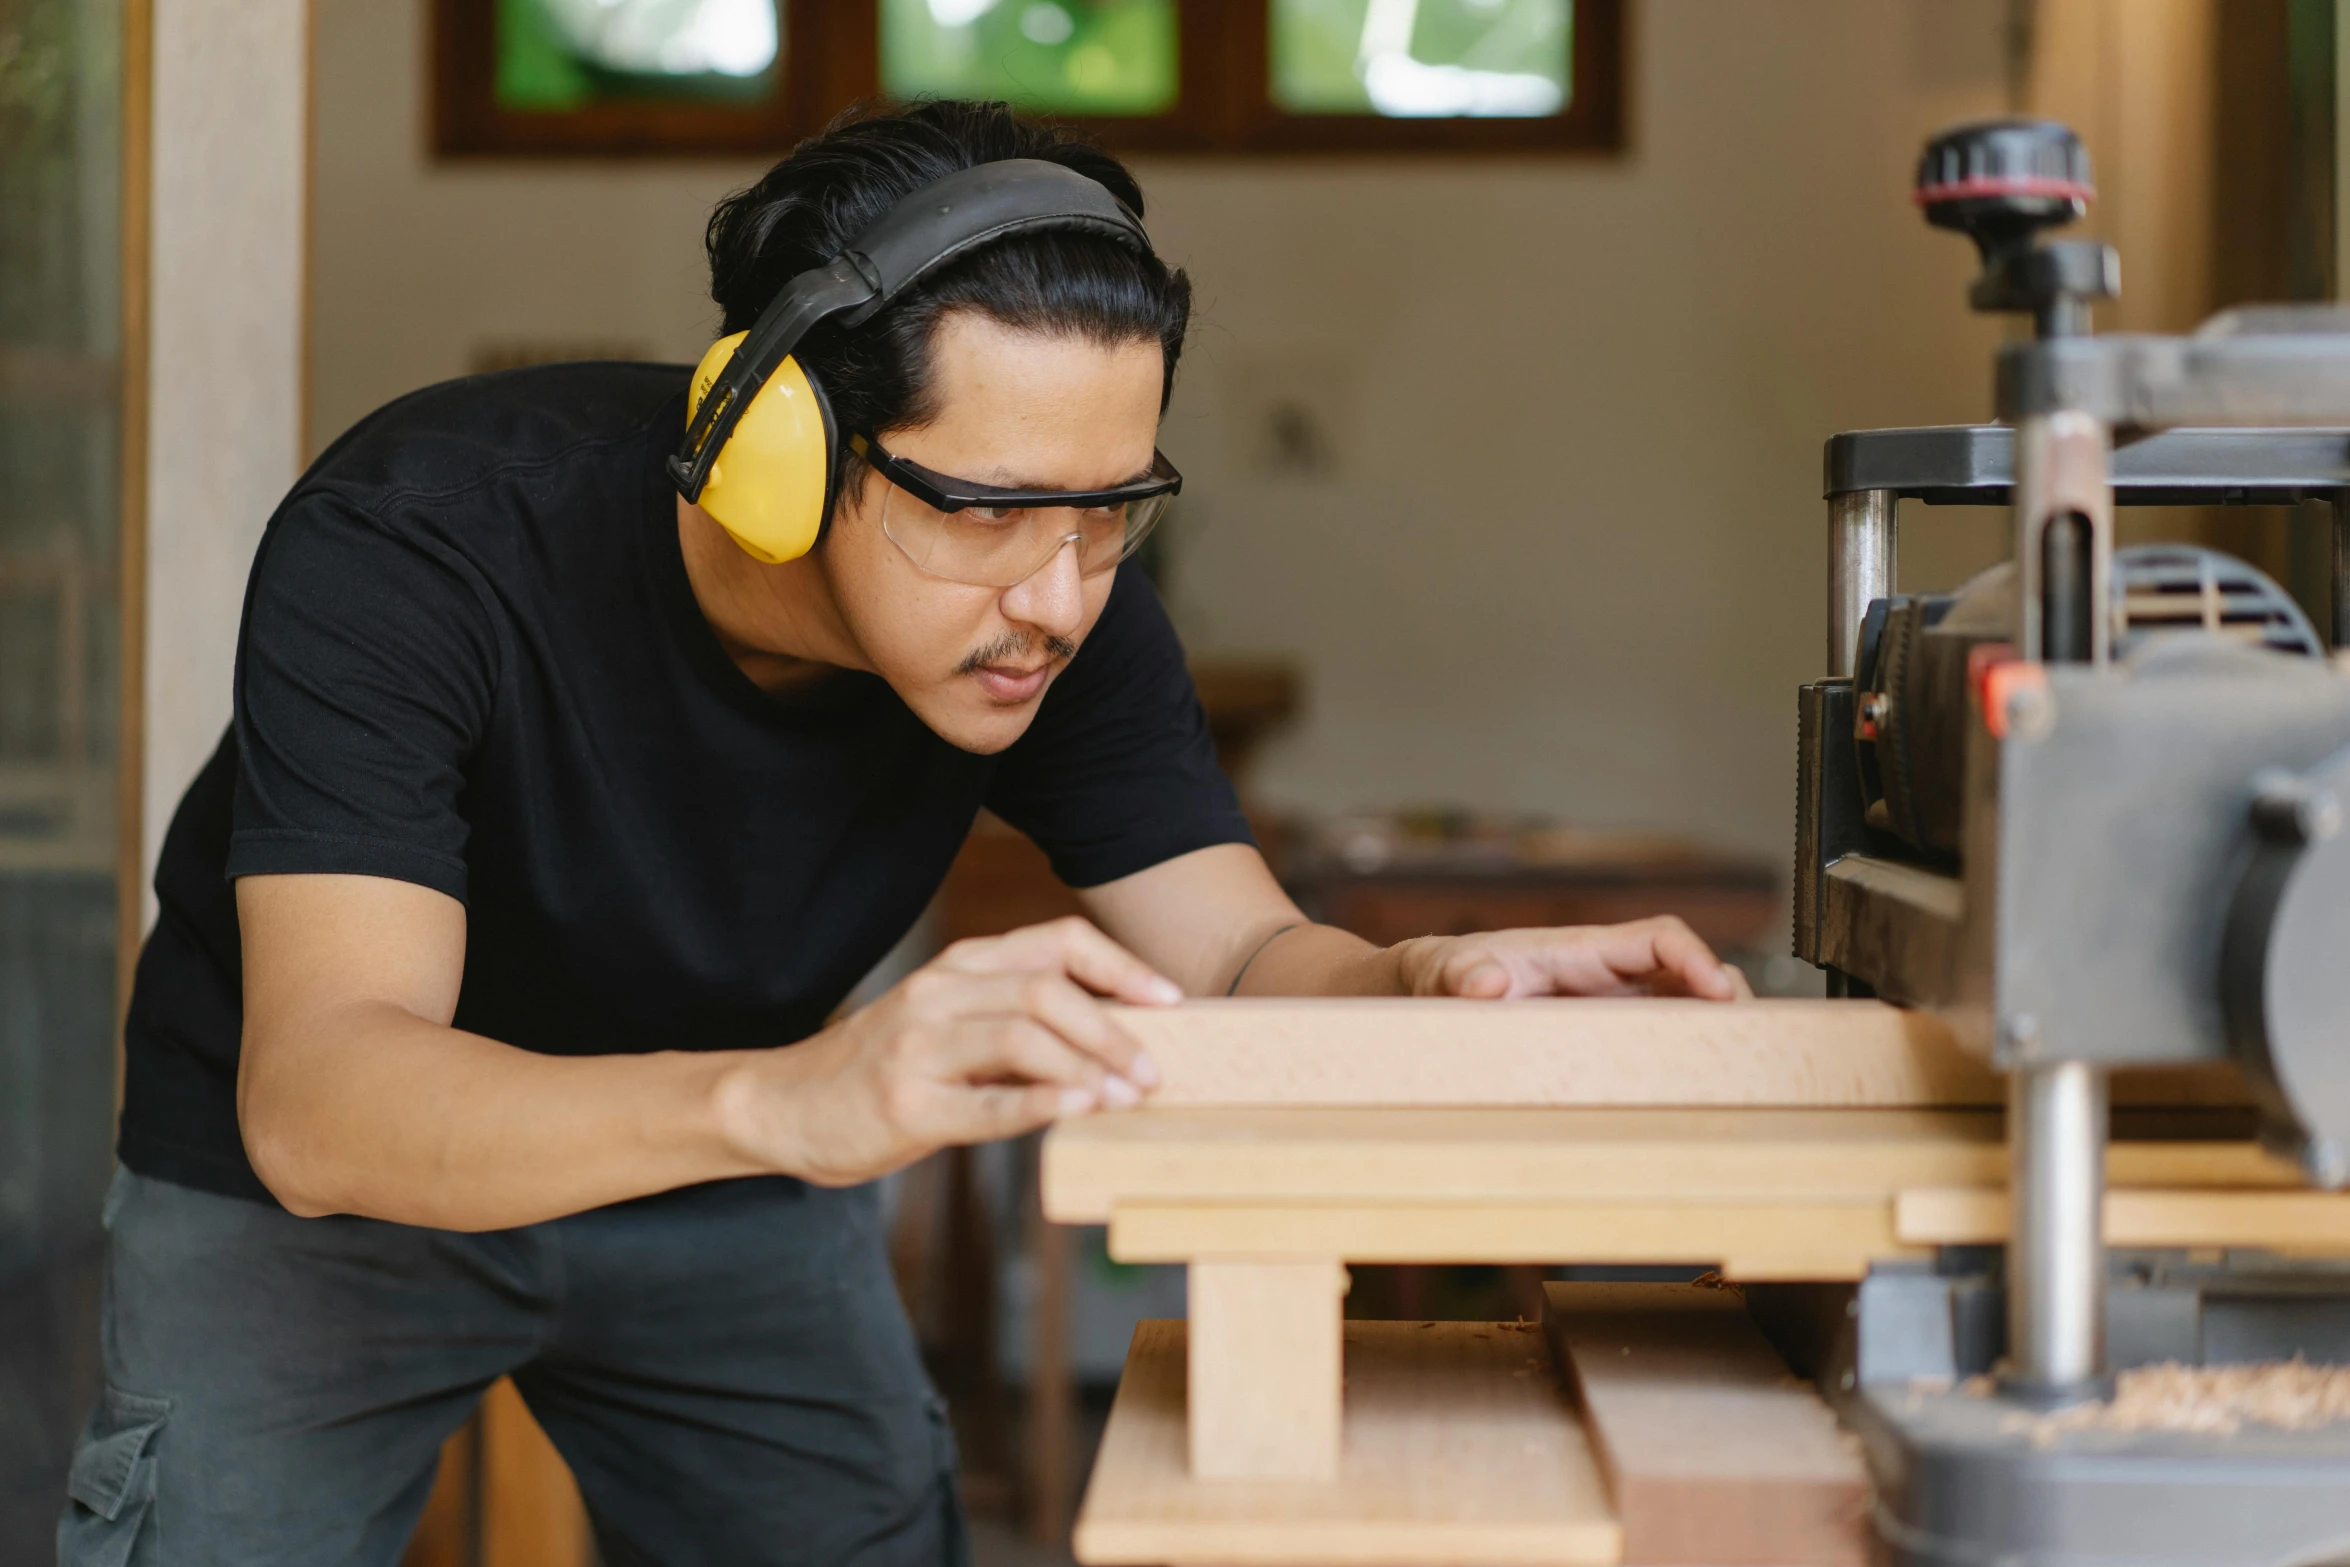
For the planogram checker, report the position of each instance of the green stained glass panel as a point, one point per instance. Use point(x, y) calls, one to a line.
point(1107, 57)
point(554, 55)
point(1423, 59)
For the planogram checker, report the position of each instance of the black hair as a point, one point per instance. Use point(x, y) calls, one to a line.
point(877, 375)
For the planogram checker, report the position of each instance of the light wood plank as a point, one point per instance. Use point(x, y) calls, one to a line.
point(1350, 1051)
point(1264, 1367)
point(1711, 1450)
point(1094, 1163)
point(2303, 1222)
point(1459, 1448)
point(1838, 1239)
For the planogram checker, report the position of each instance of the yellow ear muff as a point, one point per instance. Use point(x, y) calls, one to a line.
point(767, 487)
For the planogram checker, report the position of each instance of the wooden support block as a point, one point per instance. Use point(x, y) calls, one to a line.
point(1819, 1240)
point(1265, 1368)
point(1555, 1052)
point(2302, 1222)
point(1713, 1453)
point(1459, 1448)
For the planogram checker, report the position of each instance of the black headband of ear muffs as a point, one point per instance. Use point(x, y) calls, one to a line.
point(927, 229)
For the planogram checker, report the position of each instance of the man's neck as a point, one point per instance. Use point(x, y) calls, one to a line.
point(780, 624)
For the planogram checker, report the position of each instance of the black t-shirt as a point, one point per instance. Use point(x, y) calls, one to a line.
point(471, 660)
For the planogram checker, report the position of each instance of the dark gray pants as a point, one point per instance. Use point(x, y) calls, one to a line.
point(726, 1369)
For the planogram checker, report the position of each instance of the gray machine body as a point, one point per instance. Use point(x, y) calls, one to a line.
point(2108, 842)
point(2112, 829)
point(1965, 1479)
point(2094, 809)
point(2106, 836)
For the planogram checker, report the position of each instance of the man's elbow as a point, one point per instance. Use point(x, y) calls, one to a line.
point(287, 1175)
point(282, 1152)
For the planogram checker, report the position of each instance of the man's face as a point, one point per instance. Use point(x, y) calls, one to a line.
point(1018, 410)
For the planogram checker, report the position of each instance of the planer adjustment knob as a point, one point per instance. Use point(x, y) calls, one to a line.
point(2001, 183)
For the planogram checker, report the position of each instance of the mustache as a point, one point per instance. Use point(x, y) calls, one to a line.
point(1008, 647)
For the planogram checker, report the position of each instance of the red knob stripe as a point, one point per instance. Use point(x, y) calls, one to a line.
point(1975, 185)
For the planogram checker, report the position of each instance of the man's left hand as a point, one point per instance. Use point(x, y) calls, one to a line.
point(1650, 957)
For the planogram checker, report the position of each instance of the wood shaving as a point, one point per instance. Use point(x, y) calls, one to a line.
point(2291, 1395)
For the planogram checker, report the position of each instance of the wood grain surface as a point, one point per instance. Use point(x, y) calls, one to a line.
point(2305, 1223)
point(1459, 1447)
point(1095, 1163)
point(1264, 1367)
point(1555, 1052)
point(1712, 1451)
point(1832, 1241)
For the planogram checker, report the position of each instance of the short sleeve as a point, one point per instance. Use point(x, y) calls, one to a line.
point(1118, 773)
point(366, 670)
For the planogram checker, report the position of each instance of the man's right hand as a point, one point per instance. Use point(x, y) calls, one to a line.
point(994, 1037)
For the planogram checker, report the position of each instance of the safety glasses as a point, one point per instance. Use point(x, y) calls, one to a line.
point(990, 537)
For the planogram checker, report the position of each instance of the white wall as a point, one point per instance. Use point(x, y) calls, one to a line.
point(225, 358)
point(1570, 557)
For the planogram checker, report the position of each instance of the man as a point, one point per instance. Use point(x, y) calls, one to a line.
point(484, 1029)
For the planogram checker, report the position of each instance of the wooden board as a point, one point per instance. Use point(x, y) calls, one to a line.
point(1094, 1163)
point(1711, 1450)
point(2302, 1222)
point(1459, 1448)
point(1554, 1052)
point(1397, 1051)
point(1800, 1240)
point(1265, 1368)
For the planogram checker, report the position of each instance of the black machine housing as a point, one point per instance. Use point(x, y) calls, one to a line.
point(2112, 842)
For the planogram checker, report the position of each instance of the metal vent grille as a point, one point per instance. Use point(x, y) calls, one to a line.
point(2181, 587)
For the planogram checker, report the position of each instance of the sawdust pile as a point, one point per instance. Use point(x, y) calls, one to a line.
point(2291, 1394)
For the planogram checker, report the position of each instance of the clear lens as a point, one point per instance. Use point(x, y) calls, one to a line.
point(994, 547)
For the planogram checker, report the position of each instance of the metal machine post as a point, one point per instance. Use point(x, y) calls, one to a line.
point(1862, 537)
point(2056, 1239)
point(2056, 1122)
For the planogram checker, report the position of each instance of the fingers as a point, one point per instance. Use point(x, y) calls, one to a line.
point(1472, 970)
point(996, 1110)
point(1680, 963)
point(1047, 999)
point(1007, 1077)
point(1074, 947)
point(1008, 1110)
point(1019, 1049)
point(1659, 956)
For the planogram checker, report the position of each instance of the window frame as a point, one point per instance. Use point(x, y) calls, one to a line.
point(832, 58)
point(827, 59)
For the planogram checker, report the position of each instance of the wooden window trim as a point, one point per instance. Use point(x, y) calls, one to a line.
point(827, 60)
point(832, 59)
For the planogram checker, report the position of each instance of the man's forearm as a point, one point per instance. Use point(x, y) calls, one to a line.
point(382, 1113)
point(1320, 960)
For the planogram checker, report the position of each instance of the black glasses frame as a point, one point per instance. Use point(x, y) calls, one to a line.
point(943, 492)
